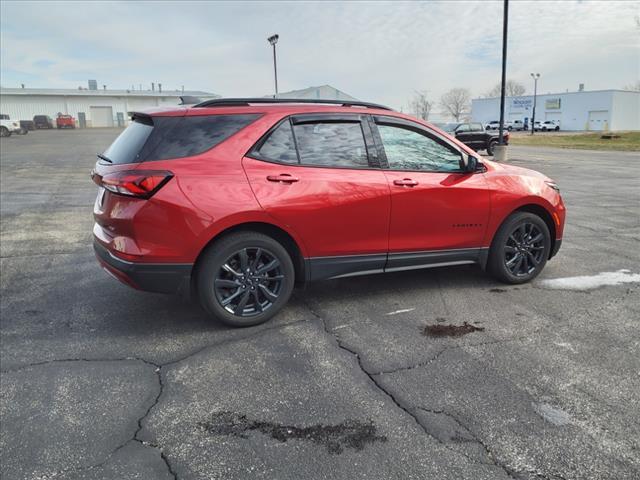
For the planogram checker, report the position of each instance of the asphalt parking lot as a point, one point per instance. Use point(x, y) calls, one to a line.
point(103, 382)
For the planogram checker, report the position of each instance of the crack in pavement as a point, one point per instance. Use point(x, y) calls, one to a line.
point(397, 402)
point(158, 372)
point(509, 471)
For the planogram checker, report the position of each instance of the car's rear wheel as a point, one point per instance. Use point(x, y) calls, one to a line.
point(520, 248)
point(491, 147)
point(245, 279)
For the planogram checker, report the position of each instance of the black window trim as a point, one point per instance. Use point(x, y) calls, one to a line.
point(416, 127)
point(329, 117)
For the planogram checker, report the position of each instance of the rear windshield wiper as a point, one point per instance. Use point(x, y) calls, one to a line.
point(103, 157)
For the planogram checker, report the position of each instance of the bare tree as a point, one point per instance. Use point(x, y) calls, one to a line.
point(634, 87)
point(511, 89)
point(456, 102)
point(420, 105)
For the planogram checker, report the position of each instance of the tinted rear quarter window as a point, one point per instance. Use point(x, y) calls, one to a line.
point(163, 138)
point(336, 144)
point(280, 146)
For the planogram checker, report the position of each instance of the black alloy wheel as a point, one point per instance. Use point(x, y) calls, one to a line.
point(249, 281)
point(244, 278)
point(520, 248)
point(524, 249)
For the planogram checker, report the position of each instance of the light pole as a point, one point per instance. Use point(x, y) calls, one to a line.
point(535, 77)
point(273, 39)
point(505, 20)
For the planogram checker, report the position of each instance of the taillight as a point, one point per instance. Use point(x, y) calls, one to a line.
point(135, 183)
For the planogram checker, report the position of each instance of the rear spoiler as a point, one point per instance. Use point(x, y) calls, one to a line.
point(189, 100)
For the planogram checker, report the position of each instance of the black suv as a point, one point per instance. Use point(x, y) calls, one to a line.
point(43, 121)
point(474, 135)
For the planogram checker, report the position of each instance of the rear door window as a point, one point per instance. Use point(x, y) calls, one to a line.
point(162, 138)
point(331, 144)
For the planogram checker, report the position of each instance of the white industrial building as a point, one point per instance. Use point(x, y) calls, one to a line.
point(90, 108)
point(324, 92)
point(595, 110)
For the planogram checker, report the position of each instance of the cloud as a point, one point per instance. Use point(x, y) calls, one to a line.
point(376, 51)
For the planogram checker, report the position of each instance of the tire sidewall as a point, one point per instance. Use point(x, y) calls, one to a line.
point(496, 255)
point(491, 147)
point(218, 253)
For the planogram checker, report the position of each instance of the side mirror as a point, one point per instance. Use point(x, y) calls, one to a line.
point(469, 163)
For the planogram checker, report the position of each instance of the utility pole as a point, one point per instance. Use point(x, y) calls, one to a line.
point(273, 39)
point(535, 77)
point(505, 20)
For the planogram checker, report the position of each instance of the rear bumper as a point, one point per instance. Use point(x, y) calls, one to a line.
point(150, 277)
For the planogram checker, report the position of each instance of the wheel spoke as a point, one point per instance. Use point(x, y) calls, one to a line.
point(509, 249)
point(244, 259)
point(518, 265)
point(231, 297)
point(513, 260)
point(257, 305)
point(242, 303)
point(272, 297)
point(533, 259)
point(231, 270)
point(268, 267)
point(222, 283)
point(537, 238)
point(256, 261)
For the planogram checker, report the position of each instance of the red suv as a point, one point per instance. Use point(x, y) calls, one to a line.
point(237, 200)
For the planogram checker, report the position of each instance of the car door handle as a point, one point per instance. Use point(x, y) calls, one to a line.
point(283, 178)
point(405, 182)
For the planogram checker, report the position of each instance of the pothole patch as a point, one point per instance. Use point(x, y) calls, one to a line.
point(351, 434)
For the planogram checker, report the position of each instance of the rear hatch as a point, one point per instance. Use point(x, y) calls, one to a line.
point(130, 172)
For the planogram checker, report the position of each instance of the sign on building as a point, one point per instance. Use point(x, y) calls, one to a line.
point(552, 104)
point(518, 103)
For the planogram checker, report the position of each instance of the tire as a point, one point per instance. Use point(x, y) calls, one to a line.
point(216, 284)
point(557, 129)
point(4, 132)
point(507, 247)
point(491, 147)
point(509, 128)
point(22, 131)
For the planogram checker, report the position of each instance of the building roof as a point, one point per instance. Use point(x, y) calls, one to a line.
point(324, 92)
point(558, 93)
point(105, 93)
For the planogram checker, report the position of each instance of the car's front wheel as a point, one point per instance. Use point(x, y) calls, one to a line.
point(491, 147)
point(520, 248)
point(245, 278)
point(4, 132)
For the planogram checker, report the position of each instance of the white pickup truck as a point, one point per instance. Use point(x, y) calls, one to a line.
point(8, 126)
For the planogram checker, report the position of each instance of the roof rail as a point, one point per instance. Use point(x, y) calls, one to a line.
point(244, 102)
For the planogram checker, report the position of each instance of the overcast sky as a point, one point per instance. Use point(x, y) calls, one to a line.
point(376, 51)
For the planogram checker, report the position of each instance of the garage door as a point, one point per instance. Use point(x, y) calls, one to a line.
point(101, 116)
point(598, 119)
point(555, 116)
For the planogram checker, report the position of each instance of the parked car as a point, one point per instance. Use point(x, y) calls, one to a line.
point(238, 200)
point(549, 126)
point(42, 121)
point(8, 126)
point(519, 125)
point(65, 121)
point(474, 135)
point(27, 125)
point(508, 125)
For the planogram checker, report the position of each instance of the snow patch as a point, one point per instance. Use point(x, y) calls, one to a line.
point(590, 282)
point(404, 310)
